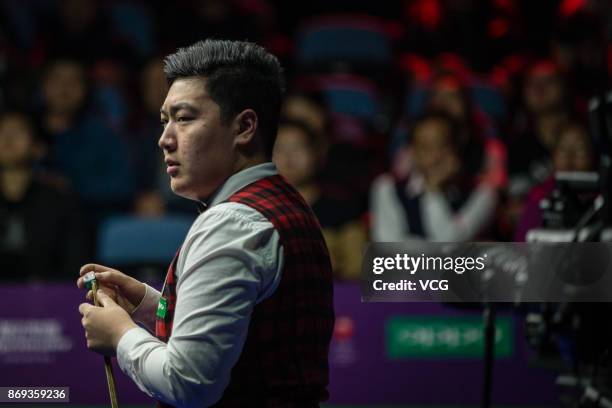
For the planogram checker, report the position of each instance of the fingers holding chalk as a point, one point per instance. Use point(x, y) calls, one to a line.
point(88, 280)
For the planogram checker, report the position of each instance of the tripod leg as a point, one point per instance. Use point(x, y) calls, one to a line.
point(489, 354)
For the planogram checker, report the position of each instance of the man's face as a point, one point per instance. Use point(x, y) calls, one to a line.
point(198, 148)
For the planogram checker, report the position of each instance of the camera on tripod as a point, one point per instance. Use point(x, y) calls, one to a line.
point(575, 338)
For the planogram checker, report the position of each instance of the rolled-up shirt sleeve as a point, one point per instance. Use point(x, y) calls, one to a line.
point(230, 261)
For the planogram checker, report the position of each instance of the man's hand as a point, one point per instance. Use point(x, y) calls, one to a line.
point(126, 291)
point(104, 325)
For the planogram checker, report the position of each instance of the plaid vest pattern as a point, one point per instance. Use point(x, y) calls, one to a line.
point(284, 362)
point(163, 326)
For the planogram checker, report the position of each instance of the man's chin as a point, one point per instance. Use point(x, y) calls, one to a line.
point(177, 187)
point(180, 190)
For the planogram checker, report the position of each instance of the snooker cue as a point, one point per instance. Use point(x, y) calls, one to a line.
point(108, 368)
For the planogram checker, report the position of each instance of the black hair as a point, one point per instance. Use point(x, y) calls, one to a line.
point(239, 75)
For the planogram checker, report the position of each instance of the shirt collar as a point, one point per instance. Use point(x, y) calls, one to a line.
point(238, 181)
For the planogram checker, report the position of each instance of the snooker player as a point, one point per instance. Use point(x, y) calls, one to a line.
point(245, 316)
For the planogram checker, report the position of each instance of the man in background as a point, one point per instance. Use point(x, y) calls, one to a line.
point(42, 234)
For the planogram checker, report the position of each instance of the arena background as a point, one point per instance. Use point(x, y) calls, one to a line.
point(82, 178)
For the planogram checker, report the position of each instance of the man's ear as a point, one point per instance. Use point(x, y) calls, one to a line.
point(245, 127)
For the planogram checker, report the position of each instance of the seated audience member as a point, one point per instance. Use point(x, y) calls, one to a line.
point(348, 162)
point(571, 151)
point(483, 152)
point(581, 47)
point(83, 149)
point(154, 197)
point(439, 200)
point(308, 107)
point(42, 234)
point(299, 155)
point(545, 108)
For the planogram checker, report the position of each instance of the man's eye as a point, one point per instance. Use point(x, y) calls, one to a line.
point(163, 123)
point(183, 119)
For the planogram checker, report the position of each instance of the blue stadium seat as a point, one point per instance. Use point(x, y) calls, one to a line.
point(486, 97)
point(414, 102)
point(125, 240)
point(490, 100)
point(350, 95)
point(352, 102)
point(353, 39)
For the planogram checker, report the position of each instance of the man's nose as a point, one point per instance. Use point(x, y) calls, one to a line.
point(167, 140)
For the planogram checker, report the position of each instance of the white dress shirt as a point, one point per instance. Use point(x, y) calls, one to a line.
point(440, 223)
point(230, 260)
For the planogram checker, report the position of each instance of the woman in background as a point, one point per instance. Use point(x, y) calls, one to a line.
point(299, 154)
point(439, 200)
point(571, 151)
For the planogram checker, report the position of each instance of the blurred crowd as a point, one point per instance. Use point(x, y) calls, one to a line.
point(439, 120)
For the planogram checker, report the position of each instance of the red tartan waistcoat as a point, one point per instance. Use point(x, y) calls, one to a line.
point(284, 362)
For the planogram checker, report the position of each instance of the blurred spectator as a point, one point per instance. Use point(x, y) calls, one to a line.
point(104, 141)
point(79, 28)
point(153, 194)
point(435, 26)
point(572, 151)
point(191, 21)
point(482, 32)
point(299, 155)
point(439, 199)
point(94, 159)
point(347, 170)
point(310, 108)
point(580, 50)
point(546, 107)
point(42, 233)
point(483, 153)
point(148, 157)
